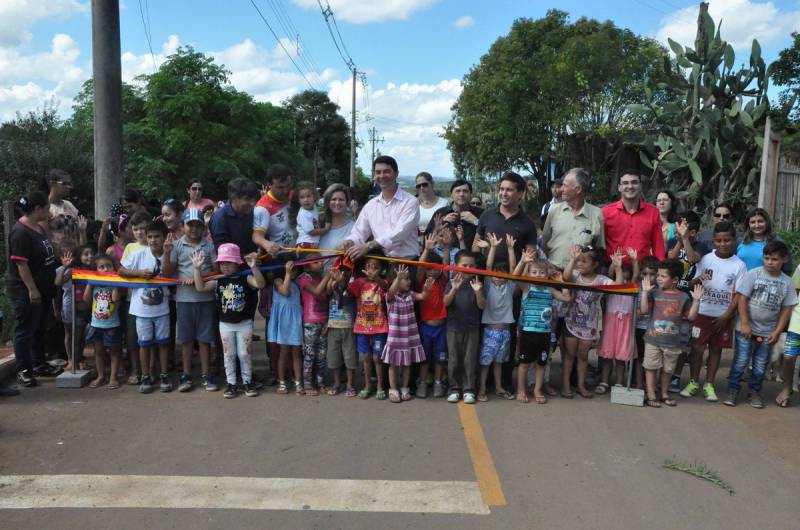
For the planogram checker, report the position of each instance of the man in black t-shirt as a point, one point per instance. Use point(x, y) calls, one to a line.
point(508, 218)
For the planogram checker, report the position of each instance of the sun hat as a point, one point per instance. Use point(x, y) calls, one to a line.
point(229, 253)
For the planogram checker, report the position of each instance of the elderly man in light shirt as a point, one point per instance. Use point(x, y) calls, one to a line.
point(573, 221)
point(390, 219)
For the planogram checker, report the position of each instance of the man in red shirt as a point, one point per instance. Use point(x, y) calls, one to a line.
point(632, 222)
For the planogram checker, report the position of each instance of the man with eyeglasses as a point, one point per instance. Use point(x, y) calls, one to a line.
point(460, 212)
point(722, 212)
point(59, 182)
point(631, 222)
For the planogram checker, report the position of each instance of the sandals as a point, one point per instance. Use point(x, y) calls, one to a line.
point(505, 394)
point(113, 386)
point(522, 397)
point(282, 388)
point(310, 391)
point(601, 389)
point(97, 383)
point(656, 404)
point(540, 400)
point(567, 395)
point(380, 394)
point(783, 403)
point(394, 396)
point(585, 394)
point(405, 394)
point(550, 391)
point(483, 398)
point(298, 389)
point(364, 394)
point(350, 392)
point(134, 380)
point(332, 391)
point(668, 401)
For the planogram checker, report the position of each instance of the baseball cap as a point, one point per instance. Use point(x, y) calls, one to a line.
point(193, 215)
point(229, 253)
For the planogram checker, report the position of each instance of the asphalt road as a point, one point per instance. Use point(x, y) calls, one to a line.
point(567, 464)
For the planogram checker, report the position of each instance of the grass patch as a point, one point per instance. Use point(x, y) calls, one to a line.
point(700, 470)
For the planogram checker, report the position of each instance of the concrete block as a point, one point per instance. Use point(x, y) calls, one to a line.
point(627, 396)
point(77, 380)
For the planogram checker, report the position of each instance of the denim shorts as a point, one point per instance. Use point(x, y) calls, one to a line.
point(496, 346)
point(153, 330)
point(434, 342)
point(109, 336)
point(792, 346)
point(196, 321)
point(373, 344)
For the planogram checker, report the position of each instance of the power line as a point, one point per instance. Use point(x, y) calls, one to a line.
point(327, 12)
point(291, 31)
point(147, 33)
point(300, 71)
point(403, 122)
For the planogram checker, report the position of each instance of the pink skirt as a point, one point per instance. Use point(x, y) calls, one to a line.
point(615, 342)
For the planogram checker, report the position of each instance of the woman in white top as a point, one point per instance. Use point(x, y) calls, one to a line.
point(336, 199)
point(429, 202)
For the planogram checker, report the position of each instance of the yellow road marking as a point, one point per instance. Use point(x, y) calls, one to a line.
point(482, 462)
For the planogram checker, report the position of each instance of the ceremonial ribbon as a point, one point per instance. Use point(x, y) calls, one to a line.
point(114, 280)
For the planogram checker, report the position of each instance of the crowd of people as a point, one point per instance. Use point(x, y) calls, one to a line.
point(397, 312)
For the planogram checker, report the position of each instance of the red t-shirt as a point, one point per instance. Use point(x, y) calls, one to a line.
point(370, 311)
point(640, 230)
point(433, 308)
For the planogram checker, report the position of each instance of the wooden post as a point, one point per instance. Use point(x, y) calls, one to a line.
point(770, 156)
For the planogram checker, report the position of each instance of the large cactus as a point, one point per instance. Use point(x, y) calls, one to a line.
point(703, 129)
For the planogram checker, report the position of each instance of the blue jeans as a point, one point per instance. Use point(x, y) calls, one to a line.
point(745, 349)
point(29, 327)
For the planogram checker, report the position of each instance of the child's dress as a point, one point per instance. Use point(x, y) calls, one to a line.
point(403, 346)
point(286, 317)
point(615, 342)
point(583, 315)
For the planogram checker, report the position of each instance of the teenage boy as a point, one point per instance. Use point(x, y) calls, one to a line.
point(666, 308)
point(685, 248)
point(720, 272)
point(766, 298)
point(195, 310)
point(150, 305)
point(464, 300)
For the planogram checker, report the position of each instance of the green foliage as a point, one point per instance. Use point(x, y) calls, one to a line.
point(786, 73)
point(323, 135)
point(700, 470)
point(704, 138)
point(547, 81)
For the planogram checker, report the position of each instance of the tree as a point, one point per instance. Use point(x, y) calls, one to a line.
point(550, 91)
point(323, 135)
point(786, 73)
point(705, 139)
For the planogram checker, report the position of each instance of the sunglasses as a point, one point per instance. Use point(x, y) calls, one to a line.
point(723, 215)
point(64, 183)
point(196, 188)
point(422, 185)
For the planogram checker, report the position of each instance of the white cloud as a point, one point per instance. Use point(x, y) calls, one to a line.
point(57, 65)
point(410, 117)
point(363, 11)
point(742, 21)
point(464, 22)
point(18, 16)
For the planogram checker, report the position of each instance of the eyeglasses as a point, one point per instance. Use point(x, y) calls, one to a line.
point(723, 215)
point(475, 203)
point(196, 188)
point(65, 183)
point(422, 185)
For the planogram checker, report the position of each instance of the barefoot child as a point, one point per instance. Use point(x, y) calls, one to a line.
point(535, 327)
point(615, 344)
point(766, 299)
point(370, 326)
point(403, 346)
point(498, 315)
point(583, 315)
point(150, 306)
point(313, 293)
point(285, 328)
point(667, 307)
point(465, 300)
point(105, 331)
point(235, 297)
point(720, 272)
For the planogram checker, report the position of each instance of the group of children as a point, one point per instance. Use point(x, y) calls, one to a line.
point(456, 327)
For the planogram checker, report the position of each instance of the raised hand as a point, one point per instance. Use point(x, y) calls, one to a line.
point(494, 241)
point(198, 258)
point(428, 284)
point(251, 259)
point(457, 280)
point(169, 242)
point(66, 259)
point(575, 251)
point(430, 242)
point(289, 267)
point(528, 255)
point(402, 271)
point(510, 241)
point(616, 259)
point(632, 254)
point(475, 284)
point(682, 228)
point(647, 285)
point(697, 291)
point(82, 223)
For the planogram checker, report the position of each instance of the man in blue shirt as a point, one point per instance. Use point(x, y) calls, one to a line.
point(233, 223)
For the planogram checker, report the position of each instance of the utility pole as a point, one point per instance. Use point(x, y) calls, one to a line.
point(373, 139)
point(109, 181)
point(353, 134)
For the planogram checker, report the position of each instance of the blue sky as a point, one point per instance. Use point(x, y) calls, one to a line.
point(414, 52)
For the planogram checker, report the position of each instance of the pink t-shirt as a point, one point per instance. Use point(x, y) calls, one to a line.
point(198, 206)
point(315, 308)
